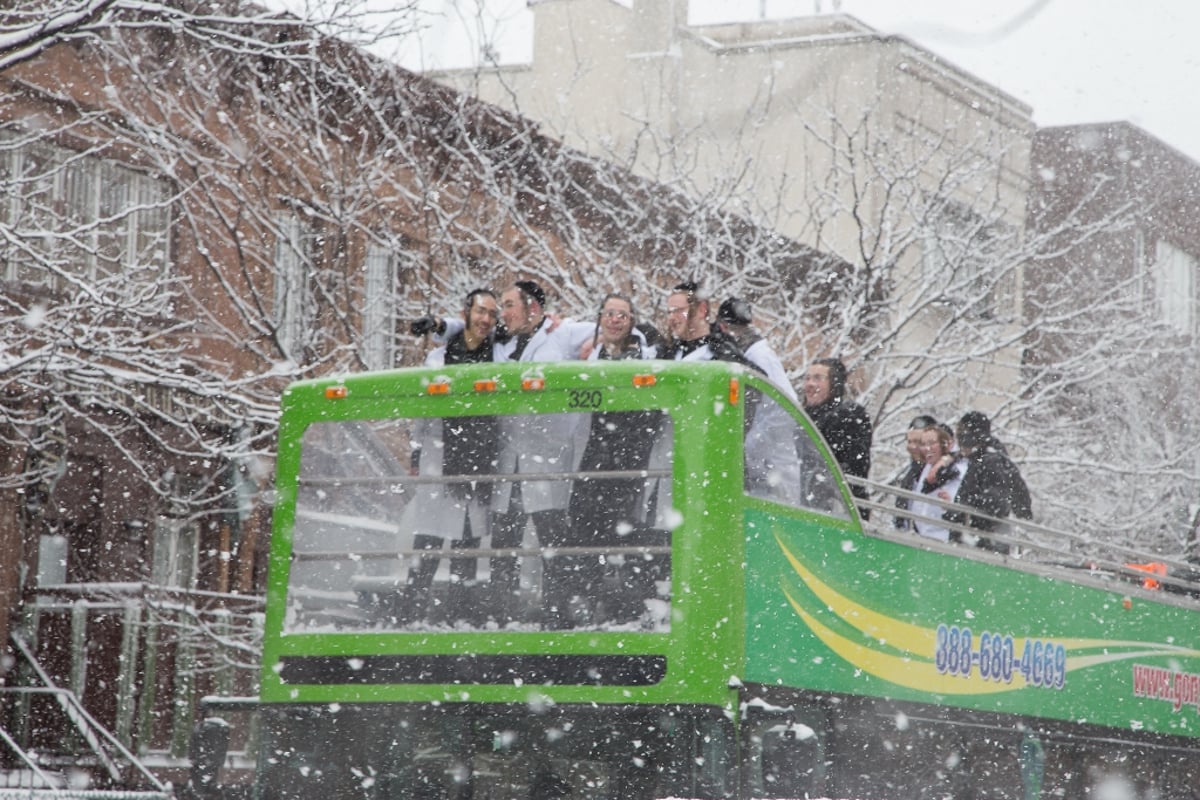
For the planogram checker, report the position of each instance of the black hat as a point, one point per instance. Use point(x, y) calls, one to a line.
point(532, 290)
point(735, 311)
point(973, 428)
point(469, 301)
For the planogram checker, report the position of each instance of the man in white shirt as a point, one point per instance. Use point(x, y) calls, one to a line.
point(687, 324)
point(735, 320)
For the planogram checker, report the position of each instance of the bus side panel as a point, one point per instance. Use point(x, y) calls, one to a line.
point(836, 611)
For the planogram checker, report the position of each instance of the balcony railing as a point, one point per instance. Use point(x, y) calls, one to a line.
point(140, 658)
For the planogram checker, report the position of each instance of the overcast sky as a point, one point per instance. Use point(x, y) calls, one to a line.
point(1072, 61)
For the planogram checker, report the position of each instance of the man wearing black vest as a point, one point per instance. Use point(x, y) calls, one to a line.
point(455, 446)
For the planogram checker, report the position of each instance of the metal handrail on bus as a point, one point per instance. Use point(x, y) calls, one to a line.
point(1019, 534)
point(508, 477)
point(480, 552)
point(475, 552)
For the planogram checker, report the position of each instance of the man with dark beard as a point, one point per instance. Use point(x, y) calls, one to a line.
point(687, 324)
point(692, 336)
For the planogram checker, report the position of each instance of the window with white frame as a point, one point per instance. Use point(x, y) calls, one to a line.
point(68, 216)
point(292, 257)
point(961, 259)
point(378, 313)
point(175, 553)
point(1175, 281)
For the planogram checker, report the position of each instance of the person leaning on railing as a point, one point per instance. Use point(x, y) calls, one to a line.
point(846, 425)
point(992, 483)
point(910, 479)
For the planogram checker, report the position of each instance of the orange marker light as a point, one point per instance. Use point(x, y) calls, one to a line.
point(485, 386)
point(735, 391)
point(644, 380)
point(533, 384)
point(438, 387)
point(1152, 567)
point(335, 392)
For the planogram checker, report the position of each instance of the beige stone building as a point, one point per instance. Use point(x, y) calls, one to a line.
point(851, 141)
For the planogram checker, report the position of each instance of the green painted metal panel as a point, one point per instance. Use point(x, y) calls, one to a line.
point(703, 648)
point(769, 595)
point(834, 610)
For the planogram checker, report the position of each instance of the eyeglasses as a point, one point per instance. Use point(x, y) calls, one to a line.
point(613, 314)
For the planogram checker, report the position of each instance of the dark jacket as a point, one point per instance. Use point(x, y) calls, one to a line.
point(848, 431)
point(908, 482)
point(470, 444)
point(994, 485)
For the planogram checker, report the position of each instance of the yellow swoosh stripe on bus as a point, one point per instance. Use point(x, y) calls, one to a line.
point(911, 672)
point(914, 668)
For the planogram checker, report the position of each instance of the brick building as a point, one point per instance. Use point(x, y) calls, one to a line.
point(200, 208)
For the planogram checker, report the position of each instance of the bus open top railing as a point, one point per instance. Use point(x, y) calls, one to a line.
point(1028, 542)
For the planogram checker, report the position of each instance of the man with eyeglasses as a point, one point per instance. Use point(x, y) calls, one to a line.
point(618, 334)
point(607, 511)
point(911, 478)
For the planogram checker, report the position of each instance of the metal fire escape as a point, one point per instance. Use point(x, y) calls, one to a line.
point(85, 762)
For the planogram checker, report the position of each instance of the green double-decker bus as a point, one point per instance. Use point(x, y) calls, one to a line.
point(648, 579)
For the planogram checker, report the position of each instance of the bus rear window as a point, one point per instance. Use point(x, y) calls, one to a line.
point(519, 522)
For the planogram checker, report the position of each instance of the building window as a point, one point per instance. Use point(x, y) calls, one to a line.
point(293, 255)
point(175, 553)
point(1175, 279)
point(379, 317)
point(53, 549)
point(67, 215)
point(962, 259)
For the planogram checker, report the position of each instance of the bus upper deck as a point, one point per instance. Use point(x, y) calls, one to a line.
point(500, 500)
point(497, 568)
